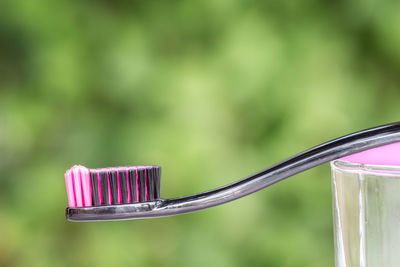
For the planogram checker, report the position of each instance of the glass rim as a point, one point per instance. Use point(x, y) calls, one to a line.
point(378, 169)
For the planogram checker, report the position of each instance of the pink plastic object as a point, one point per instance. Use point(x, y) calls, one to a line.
point(77, 180)
point(388, 155)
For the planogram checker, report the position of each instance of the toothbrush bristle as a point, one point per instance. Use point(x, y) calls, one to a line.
point(112, 186)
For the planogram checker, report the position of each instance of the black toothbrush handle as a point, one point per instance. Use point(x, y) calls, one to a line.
point(308, 159)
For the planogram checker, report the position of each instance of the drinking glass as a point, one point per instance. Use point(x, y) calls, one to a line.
point(366, 211)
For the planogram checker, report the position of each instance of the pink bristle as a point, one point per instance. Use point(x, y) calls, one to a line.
point(99, 188)
point(70, 189)
point(109, 190)
point(79, 189)
point(137, 185)
point(145, 185)
point(76, 177)
point(128, 187)
point(119, 189)
point(86, 187)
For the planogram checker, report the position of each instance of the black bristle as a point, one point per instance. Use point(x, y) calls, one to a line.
point(142, 185)
point(132, 185)
point(128, 184)
point(114, 187)
point(150, 184)
point(104, 187)
point(157, 181)
point(124, 187)
point(95, 189)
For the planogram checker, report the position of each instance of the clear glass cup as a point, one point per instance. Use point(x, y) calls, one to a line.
point(366, 210)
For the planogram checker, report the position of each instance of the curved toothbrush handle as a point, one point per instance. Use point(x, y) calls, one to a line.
point(308, 159)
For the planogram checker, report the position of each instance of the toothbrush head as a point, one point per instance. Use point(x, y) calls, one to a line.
point(112, 186)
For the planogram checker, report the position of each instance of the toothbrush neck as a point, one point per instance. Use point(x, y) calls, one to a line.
point(311, 158)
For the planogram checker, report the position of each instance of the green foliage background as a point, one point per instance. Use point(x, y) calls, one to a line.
point(211, 90)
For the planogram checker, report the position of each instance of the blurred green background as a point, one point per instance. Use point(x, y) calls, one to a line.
point(211, 90)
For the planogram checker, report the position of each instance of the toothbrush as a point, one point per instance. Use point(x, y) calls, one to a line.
point(125, 193)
